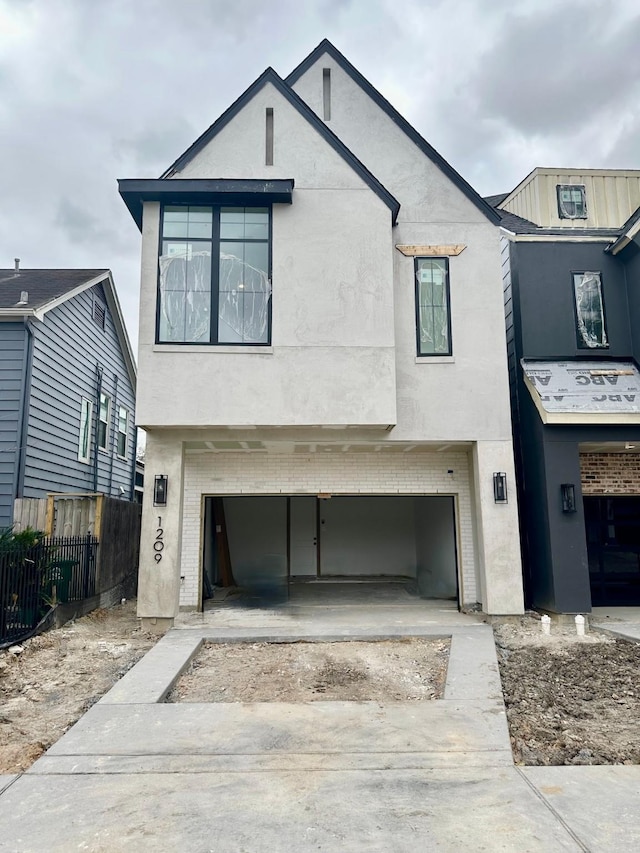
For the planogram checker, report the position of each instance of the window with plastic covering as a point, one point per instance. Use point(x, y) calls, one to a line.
point(589, 304)
point(214, 275)
point(433, 308)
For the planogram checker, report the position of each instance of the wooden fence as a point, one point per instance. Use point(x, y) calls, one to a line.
point(114, 523)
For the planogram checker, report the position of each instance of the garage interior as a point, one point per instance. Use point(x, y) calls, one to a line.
point(270, 542)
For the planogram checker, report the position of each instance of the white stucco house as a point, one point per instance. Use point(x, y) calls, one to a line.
point(323, 375)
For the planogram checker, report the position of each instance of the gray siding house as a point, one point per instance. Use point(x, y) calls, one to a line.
point(67, 387)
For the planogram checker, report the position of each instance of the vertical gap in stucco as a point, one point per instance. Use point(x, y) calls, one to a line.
point(326, 93)
point(269, 137)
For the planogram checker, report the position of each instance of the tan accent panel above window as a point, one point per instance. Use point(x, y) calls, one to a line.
point(429, 251)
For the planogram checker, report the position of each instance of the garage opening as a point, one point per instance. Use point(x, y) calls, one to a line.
point(264, 541)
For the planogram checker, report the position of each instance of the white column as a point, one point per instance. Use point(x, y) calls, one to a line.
point(497, 530)
point(160, 537)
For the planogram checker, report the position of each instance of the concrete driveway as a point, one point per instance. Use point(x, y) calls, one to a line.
point(136, 773)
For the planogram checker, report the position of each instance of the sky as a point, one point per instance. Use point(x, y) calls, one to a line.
point(96, 90)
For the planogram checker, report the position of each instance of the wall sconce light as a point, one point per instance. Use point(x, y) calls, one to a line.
point(160, 490)
point(500, 487)
point(568, 491)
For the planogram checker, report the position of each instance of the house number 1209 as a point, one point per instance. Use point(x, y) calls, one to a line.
point(158, 545)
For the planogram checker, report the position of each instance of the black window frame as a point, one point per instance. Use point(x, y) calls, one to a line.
point(215, 272)
point(583, 192)
point(580, 344)
point(416, 260)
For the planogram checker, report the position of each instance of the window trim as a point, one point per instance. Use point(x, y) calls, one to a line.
point(85, 401)
point(416, 290)
point(215, 275)
point(580, 345)
point(583, 189)
point(125, 433)
point(103, 448)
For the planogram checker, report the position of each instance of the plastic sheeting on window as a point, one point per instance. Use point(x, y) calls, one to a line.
point(185, 295)
point(243, 306)
point(590, 310)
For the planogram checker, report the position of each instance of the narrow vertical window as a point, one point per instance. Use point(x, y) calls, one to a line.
point(86, 417)
point(587, 291)
point(103, 421)
point(269, 137)
point(326, 93)
point(123, 426)
point(433, 316)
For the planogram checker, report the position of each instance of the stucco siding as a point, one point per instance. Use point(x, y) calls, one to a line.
point(12, 355)
point(68, 346)
point(424, 191)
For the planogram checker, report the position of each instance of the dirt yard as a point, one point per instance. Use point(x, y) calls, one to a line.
point(46, 687)
point(303, 672)
point(570, 699)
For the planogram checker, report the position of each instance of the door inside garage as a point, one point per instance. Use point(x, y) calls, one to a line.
point(303, 538)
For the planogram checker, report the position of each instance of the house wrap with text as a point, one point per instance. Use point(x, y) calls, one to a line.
point(323, 375)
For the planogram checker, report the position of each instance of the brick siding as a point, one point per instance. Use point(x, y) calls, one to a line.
point(610, 473)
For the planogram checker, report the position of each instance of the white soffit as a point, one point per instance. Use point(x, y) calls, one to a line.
point(584, 392)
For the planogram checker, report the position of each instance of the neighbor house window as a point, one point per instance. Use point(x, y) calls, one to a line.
point(433, 316)
point(572, 201)
point(123, 428)
point(214, 285)
point(103, 421)
point(587, 291)
point(86, 418)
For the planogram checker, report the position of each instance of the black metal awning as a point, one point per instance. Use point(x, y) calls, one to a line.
point(232, 191)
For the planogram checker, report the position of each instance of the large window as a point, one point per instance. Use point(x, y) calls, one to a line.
point(590, 321)
point(103, 421)
point(433, 316)
point(86, 418)
point(214, 275)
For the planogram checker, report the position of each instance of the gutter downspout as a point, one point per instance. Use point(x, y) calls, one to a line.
point(132, 490)
point(21, 455)
point(95, 427)
point(112, 431)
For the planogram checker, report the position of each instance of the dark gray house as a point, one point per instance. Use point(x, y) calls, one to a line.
point(67, 387)
point(571, 271)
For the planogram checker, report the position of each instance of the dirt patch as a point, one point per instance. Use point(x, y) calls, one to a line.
point(59, 675)
point(306, 672)
point(570, 700)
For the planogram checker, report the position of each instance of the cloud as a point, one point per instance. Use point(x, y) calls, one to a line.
point(92, 92)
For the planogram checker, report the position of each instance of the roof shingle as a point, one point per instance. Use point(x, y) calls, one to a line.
point(41, 285)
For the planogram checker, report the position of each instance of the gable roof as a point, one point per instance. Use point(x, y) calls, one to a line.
point(325, 46)
point(270, 76)
point(48, 288)
point(518, 225)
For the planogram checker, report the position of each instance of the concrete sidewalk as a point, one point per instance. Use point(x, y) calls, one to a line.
point(136, 773)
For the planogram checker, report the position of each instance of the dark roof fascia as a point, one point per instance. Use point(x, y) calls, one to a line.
point(270, 76)
point(325, 46)
point(517, 225)
point(240, 192)
point(623, 238)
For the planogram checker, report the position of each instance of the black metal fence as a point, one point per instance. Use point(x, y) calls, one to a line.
point(35, 578)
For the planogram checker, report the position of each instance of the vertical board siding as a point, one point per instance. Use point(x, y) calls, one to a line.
point(12, 354)
point(67, 347)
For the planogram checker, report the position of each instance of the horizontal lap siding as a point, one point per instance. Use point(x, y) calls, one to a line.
point(67, 347)
point(12, 353)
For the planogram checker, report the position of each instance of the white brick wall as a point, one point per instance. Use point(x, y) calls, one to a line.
point(346, 473)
